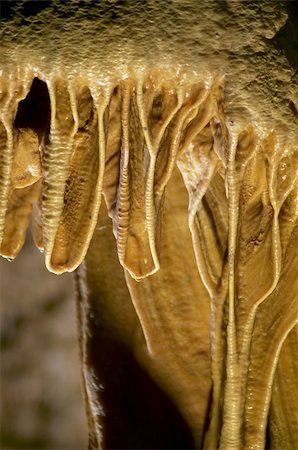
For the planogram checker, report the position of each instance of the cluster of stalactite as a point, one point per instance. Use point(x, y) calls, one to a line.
point(74, 142)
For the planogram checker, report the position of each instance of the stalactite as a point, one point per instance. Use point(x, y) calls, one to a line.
point(190, 261)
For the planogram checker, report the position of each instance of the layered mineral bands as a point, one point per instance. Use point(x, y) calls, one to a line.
point(69, 144)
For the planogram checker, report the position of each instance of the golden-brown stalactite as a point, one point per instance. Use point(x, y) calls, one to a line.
point(124, 139)
point(14, 88)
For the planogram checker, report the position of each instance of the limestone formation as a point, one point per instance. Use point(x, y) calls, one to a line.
point(155, 147)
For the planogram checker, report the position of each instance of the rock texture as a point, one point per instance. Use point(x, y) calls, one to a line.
point(183, 117)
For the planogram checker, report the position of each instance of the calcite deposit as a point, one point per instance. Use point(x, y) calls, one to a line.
point(155, 147)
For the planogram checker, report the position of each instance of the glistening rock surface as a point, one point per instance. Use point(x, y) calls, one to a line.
point(183, 116)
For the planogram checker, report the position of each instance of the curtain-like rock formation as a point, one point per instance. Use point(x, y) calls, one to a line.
point(186, 273)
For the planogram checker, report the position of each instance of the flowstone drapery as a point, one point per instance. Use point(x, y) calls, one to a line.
point(155, 148)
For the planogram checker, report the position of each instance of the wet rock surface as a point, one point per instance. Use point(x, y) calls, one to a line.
point(163, 169)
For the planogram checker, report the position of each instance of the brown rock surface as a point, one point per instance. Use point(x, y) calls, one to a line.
point(183, 117)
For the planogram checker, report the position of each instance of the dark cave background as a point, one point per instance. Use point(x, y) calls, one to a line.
point(40, 393)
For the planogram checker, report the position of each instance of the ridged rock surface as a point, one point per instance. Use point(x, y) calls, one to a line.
point(155, 145)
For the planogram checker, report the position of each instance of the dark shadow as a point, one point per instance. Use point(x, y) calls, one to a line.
point(35, 110)
point(286, 39)
point(138, 414)
point(26, 8)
